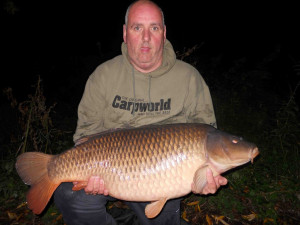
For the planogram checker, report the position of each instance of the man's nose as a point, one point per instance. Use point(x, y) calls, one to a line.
point(146, 35)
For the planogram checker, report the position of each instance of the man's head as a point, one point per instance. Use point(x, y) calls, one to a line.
point(144, 32)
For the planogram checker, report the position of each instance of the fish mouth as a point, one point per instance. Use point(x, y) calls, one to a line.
point(254, 153)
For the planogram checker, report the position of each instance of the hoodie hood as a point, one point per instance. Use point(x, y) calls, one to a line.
point(169, 59)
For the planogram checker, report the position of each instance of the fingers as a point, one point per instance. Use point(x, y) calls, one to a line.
point(93, 185)
point(90, 186)
point(210, 176)
point(222, 180)
point(211, 186)
point(213, 183)
point(96, 186)
point(102, 189)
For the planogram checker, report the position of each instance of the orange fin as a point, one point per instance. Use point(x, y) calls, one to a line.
point(81, 141)
point(32, 168)
point(88, 137)
point(200, 179)
point(39, 194)
point(154, 208)
point(79, 185)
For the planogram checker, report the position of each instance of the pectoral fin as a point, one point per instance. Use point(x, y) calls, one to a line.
point(154, 208)
point(79, 185)
point(200, 179)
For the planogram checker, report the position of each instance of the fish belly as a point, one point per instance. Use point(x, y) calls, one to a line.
point(150, 185)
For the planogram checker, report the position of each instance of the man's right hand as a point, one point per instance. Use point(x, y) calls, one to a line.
point(95, 186)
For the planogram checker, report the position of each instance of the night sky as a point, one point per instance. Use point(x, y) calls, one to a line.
point(42, 36)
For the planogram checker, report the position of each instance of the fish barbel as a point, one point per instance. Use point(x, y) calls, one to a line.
point(151, 163)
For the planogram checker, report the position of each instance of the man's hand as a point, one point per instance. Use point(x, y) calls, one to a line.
point(95, 186)
point(213, 183)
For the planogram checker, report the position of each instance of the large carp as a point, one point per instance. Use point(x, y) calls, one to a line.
point(152, 163)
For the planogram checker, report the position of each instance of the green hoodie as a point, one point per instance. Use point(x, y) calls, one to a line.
point(118, 96)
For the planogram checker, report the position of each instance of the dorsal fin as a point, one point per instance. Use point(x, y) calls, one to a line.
point(82, 140)
point(88, 137)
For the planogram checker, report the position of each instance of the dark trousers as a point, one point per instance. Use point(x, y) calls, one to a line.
point(78, 208)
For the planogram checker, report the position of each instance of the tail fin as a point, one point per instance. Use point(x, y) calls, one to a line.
point(32, 168)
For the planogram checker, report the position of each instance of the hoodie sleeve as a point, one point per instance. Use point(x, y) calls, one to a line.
point(91, 107)
point(198, 105)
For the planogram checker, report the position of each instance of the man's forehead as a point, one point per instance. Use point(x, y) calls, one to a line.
point(143, 22)
point(145, 13)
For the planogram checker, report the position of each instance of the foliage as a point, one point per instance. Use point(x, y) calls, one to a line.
point(34, 120)
point(36, 133)
point(284, 139)
point(10, 7)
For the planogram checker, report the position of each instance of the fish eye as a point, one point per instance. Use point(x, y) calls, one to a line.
point(235, 141)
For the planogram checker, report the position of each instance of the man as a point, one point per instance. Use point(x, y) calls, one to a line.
point(144, 85)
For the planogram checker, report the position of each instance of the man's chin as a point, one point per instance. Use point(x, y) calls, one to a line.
point(145, 67)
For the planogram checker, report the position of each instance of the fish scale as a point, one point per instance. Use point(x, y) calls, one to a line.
point(123, 161)
point(151, 163)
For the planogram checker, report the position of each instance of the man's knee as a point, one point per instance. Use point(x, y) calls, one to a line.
point(65, 195)
point(77, 207)
point(170, 213)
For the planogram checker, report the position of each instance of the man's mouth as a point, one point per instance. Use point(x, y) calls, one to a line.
point(145, 49)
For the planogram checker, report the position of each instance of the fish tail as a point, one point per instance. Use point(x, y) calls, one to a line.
point(32, 168)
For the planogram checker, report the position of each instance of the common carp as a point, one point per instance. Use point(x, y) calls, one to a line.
point(151, 163)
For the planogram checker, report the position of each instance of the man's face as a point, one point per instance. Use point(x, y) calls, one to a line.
point(145, 35)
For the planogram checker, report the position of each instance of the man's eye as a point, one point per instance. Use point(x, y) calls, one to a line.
point(155, 28)
point(137, 28)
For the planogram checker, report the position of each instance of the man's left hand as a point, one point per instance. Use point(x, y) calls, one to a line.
point(96, 186)
point(213, 183)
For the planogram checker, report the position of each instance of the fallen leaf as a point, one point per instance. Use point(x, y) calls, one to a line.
point(266, 220)
point(184, 216)
point(21, 205)
point(246, 189)
point(250, 217)
point(58, 218)
point(208, 220)
point(220, 219)
point(197, 208)
point(11, 216)
point(193, 203)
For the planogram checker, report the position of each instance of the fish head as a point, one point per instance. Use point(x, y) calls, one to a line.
point(225, 151)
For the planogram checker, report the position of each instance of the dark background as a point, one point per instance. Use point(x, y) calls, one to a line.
point(64, 41)
point(45, 37)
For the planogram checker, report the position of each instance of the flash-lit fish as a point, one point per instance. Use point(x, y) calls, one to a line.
point(152, 163)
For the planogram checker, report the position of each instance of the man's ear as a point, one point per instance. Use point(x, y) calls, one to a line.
point(124, 33)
